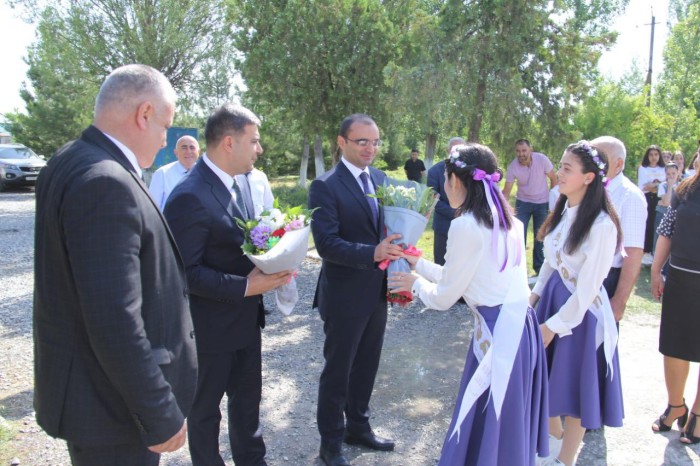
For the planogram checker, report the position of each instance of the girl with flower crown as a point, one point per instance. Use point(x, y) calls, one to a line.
point(500, 416)
point(580, 237)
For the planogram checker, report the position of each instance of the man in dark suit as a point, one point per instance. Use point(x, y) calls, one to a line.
point(226, 289)
point(443, 215)
point(348, 230)
point(114, 349)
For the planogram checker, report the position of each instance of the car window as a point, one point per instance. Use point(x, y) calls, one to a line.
point(17, 153)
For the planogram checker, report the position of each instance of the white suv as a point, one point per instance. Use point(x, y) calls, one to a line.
point(19, 165)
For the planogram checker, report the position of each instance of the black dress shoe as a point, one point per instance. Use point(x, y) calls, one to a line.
point(333, 458)
point(369, 440)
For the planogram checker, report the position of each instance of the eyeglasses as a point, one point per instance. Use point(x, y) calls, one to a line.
point(365, 142)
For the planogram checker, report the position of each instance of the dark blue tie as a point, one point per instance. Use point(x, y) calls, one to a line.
point(239, 200)
point(364, 177)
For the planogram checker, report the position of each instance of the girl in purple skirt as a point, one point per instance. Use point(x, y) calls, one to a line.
point(501, 416)
point(581, 236)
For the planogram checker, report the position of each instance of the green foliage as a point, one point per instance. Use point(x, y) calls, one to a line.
point(315, 62)
point(288, 196)
point(79, 43)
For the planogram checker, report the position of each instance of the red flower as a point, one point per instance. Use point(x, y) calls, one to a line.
point(279, 233)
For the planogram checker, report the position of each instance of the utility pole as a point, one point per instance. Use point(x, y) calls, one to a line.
point(651, 58)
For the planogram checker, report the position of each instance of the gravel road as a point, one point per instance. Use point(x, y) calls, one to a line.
point(414, 394)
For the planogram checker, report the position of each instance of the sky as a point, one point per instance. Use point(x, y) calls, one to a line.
point(632, 47)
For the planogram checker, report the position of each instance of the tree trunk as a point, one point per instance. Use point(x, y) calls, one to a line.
point(304, 163)
point(479, 100)
point(430, 143)
point(318, 156)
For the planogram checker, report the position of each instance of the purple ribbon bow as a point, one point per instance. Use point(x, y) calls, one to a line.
point(489, 181)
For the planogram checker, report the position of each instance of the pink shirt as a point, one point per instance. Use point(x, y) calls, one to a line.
point(532, 181)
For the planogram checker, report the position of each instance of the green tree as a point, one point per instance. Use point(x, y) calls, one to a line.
point(316, 62)
point(678, 91)
point(523, 65)
point(79, 43)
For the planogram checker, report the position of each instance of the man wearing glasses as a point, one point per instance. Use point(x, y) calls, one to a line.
point(351, 293)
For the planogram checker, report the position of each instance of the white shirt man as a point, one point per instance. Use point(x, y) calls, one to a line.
point(631, 207)
point(168, 176)
point(260, 191)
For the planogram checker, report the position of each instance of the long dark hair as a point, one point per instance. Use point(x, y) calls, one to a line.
point(472, 156)
point(594, 201)
point(645, 160)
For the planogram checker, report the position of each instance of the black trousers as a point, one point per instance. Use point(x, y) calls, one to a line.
point(238, 375)
point(115, 455)
point(352, 351)
point(610, 282)
point(439, 248)
point(652, 201)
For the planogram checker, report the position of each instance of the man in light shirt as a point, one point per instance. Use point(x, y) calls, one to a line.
point(531, 170)
point(631, 207)
point(168, 176)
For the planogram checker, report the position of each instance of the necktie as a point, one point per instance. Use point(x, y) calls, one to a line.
point(364, 177)
point(239, 199)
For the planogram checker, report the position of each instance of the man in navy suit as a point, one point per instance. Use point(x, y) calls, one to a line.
point(348, 231)
point(443, 215)
point(114, 351)
point(225, 288)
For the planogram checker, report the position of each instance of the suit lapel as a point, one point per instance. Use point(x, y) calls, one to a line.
point(218, 190)
point(351, 184)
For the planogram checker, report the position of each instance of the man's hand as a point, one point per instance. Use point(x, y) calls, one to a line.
point(386, 250)
point(618, 307)
point(259, 282)
point(174, 443)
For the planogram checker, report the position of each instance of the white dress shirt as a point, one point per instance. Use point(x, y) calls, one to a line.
point(128, 153)
point(590, 262)
point(631, 206)
point(164, 180)
point(356, 172)
point(469, 269)
point(260, 191)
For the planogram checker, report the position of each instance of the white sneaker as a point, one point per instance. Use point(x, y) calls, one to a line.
point(554, 449)
point(647, 259)
point(551, 461)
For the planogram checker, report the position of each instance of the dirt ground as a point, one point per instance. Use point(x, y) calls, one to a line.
point(414, 395)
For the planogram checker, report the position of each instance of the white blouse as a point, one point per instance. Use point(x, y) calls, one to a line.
point(648, 174)
point(590, 263)
point(469, 269)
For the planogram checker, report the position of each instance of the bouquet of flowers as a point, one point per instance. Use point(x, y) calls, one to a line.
point(407, 209)
point(278, 241)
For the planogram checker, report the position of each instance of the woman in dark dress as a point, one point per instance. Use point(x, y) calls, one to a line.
point(679, 340)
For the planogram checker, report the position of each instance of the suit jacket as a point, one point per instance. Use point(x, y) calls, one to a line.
point(345, 236)
point(201, 213)
point(114, 349)
point(444, 214)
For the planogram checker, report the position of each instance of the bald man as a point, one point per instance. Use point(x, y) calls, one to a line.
point(115, 365)
point(631, 207)
point(168, 176)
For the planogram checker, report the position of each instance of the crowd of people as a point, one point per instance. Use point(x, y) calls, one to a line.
point(147, 312)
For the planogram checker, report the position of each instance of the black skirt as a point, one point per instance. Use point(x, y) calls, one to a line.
point(652, 201)
point(679, 336)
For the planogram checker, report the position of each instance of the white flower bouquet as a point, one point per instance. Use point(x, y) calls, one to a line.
point(407, 209)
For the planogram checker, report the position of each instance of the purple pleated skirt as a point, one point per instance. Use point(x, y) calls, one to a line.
point(522, 430)
point(579, 383)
